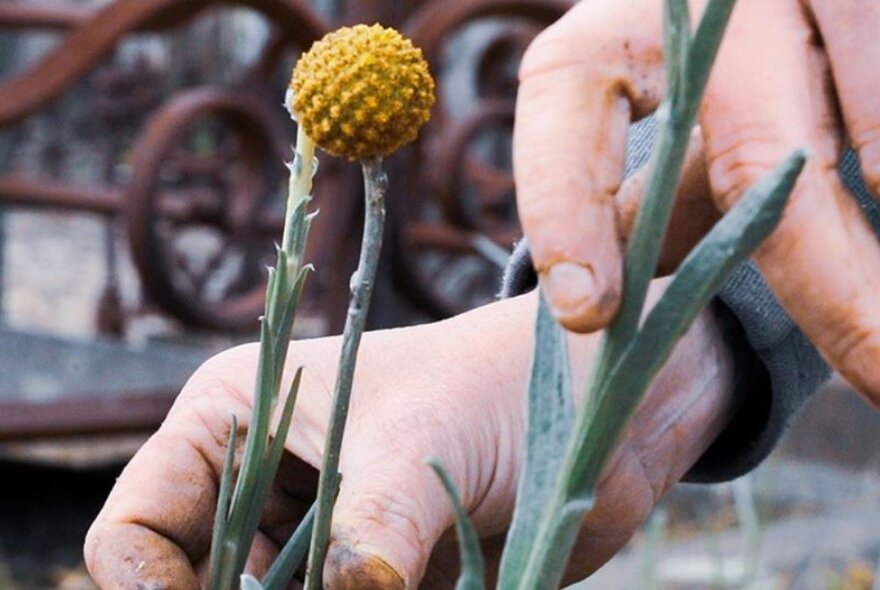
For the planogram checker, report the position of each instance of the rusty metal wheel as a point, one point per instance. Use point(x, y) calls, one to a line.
point(454, 233)
point(451, 248)
point(205, 206)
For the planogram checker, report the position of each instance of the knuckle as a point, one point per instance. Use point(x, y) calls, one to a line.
point(557, 59)
point(735, 166)
point(549, 51)
point(396, 513)
point(561, 49)
point(213, 389)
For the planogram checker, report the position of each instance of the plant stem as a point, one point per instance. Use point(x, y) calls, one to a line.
point(302, 169)
point(234, 534)
point(363, 281)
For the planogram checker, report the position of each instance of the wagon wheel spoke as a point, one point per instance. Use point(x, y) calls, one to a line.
point(494, 246)
point(186, 206)
point(494, 185)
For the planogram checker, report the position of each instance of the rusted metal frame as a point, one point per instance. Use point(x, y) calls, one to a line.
point(448, 237)
point(8, 142)
point(450, 157)
point(78, 415)
point(430, 24)
point(95, 34)
point(260, 132)
point(86, 44)
point(444, 145)
point(24, 16)
point(435, 20)
point(46, 194)
point(100, 200)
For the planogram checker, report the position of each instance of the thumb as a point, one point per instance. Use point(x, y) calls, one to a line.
point(387, 517)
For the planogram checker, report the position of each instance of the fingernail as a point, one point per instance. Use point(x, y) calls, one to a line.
point(568, 287)
point(348, 568)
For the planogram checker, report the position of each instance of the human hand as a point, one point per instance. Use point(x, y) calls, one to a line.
point(790, 74)
point(454, 390)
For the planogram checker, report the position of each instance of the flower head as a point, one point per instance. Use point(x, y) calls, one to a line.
point(362, 91)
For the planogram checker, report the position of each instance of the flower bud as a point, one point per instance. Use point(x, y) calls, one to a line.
point(362, 91)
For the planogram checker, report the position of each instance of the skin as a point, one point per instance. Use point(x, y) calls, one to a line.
point(790, 74)
point(391, 521)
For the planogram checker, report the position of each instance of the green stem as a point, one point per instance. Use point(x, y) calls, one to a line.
point(363, 281)
point(302, 169)
point(235, 534)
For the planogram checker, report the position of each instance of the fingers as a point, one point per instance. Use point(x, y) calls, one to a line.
point(849, 31)
point(130, 555)
point(574, 105)
point(769, 94)
point(445, 393)
point(693, 214)
point(155, 528)
point(156, 522)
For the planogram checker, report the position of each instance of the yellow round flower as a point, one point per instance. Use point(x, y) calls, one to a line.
point(362, 91)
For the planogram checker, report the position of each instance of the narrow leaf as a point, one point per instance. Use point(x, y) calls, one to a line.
point(263, 483)
point(676, 44)
point(221, 514)
point(707, 40)
point(704, 271)
point(258, 430)
point(276, 288)
point(285, 321)
point(699, 277)
point(473, 571)
point(675, 125)
point(292, 554)
point(550, 411)
point(272, 294)
point(277, 448)
point(547, 565)
point(300, 221)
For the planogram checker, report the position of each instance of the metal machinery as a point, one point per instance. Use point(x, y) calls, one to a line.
point(204, 163)
point(456, 188)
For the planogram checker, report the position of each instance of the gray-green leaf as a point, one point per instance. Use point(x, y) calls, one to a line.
point(473, 571)
point(699, 277)
point(550, 411)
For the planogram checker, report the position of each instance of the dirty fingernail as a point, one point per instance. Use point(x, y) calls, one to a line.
point(349, 569)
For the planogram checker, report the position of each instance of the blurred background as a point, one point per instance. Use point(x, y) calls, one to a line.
point(141, 191)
